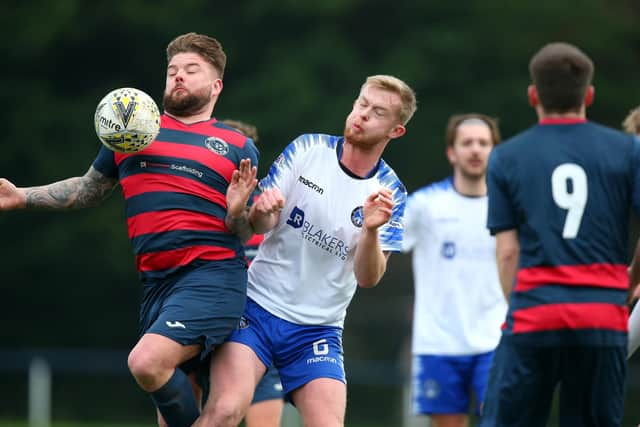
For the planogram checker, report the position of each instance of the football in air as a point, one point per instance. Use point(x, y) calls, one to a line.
point(127, 120)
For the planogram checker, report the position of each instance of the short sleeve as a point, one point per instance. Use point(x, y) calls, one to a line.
point(501, 215)
point(105, 163)
point(251, 152)
point(391, 234)
point(282, 172)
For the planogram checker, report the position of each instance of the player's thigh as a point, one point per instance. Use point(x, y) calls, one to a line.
point(449, 420)
point(235, 371)
point(440, 384)
point(521, 386)
point(266, 413)
point(269, 388)
point(322, 402)
point(592, 387)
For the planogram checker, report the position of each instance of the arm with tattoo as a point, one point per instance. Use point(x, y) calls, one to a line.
point(240, 225)
point(72, 193)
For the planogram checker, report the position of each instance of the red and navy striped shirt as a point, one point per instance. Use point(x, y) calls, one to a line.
point(174, 192)
point(251, 247)
point(567, 187)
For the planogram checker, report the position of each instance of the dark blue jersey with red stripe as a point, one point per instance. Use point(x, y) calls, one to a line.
point(174, 192)
point(251, 247)
point(567, 187)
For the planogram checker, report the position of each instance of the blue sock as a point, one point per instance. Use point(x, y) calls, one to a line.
point(176, 402)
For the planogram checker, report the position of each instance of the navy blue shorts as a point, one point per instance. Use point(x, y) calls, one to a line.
point(523, 379)
point(269, 387)
point(198, 305)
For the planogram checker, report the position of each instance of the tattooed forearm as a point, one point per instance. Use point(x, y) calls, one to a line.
point(73, 193)
point(241, 226)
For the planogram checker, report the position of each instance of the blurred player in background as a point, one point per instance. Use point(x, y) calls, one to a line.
point(191, 266)
point(559, 200)
point(268, 399)
point(458, 305)
point(333, 209)
point(631, 124)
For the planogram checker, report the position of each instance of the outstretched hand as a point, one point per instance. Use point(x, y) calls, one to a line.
point(10, 196)
point(377, 209)
point(243, 182)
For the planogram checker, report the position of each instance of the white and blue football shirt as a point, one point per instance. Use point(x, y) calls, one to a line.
point(459, 305)
point(304, 270)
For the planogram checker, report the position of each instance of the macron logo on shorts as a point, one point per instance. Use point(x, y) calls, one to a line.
point(175, 324)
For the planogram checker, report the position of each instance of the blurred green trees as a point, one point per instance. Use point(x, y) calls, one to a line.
point(293, 67)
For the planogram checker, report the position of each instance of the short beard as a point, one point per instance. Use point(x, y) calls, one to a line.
point(352, 137)
point(188, 105)
point(473, 176)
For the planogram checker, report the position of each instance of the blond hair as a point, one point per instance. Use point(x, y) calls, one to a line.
point(408, 104)
point(207, 47)
point(631, 123)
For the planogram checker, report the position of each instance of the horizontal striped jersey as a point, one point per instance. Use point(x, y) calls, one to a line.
point(174, 192)
point(567, 187)
point(251, 247)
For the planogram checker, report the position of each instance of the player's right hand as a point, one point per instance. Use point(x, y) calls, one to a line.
point(269, 202)
point(11, 197)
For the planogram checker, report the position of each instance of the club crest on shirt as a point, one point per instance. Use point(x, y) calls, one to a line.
point(448, 249)
point(217, 145)
point(243, 323)
point(431, 389)
point(357, 217)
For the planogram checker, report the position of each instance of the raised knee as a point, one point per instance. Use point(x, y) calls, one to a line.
point(144, 367)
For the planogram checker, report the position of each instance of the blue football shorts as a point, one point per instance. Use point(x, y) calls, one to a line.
point(201, 304)
point(444, 384)
point(301, 353)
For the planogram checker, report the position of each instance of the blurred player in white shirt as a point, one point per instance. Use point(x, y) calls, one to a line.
point(631, 124)
point(458, 305)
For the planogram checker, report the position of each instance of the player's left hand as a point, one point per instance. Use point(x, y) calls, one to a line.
point(243, 182)
point(377, 209)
